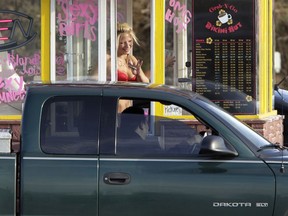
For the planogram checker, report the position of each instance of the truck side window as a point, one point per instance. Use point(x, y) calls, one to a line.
point(141, 134)
point(69, 125)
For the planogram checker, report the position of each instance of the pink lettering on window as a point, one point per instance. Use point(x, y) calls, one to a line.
point(12, 89)
point(179, 15)
point(26, 65)
point(11, 96)
point(77, 19)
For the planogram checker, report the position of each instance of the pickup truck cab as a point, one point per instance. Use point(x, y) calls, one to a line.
point(78, 156)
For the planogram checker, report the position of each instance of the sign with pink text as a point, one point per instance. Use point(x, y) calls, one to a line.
point(19, 57)
point(178, 15)
point(224, 59)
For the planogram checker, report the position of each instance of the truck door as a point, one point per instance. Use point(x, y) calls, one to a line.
point(59, 173)
point(165, 175)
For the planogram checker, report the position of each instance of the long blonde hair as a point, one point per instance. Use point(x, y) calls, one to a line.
point(126, 28)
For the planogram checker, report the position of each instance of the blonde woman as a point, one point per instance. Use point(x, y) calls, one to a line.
point(128, 67)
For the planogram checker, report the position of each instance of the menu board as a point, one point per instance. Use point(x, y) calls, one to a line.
point(224, 53)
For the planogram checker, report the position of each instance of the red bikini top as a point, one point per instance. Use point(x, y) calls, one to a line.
point(124, 77)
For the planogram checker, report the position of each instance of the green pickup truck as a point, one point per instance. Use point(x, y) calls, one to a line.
point(81, 155)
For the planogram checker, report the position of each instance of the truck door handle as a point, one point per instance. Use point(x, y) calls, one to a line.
point(117, 178)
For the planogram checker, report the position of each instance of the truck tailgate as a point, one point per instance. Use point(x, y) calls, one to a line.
point(7, 184)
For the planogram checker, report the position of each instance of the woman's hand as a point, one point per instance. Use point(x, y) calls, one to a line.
point(169, 61)
point(136, 68)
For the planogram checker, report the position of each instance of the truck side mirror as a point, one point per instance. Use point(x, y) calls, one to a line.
point(212, 145)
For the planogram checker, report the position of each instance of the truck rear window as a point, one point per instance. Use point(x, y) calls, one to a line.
point(69, 125)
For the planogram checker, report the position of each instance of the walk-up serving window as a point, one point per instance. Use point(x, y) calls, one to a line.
point(53, 40)
point(85, 34)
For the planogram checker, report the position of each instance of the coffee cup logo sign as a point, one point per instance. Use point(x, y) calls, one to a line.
point(224, 23)
point(223, 18)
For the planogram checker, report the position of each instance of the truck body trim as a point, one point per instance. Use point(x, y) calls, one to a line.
point(181, 160)
point(147, 160)
point(60, 158)
point(7, 158)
